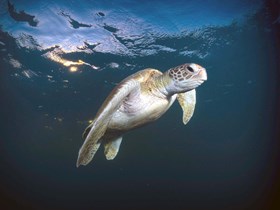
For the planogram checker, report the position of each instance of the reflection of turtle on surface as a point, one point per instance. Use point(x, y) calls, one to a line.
point(138, 100)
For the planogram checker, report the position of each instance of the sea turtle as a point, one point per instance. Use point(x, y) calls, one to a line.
point(140, 99)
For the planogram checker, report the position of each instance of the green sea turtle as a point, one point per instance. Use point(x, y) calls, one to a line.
point(140, 99)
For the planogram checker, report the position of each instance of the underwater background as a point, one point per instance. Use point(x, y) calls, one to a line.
point(60, 59)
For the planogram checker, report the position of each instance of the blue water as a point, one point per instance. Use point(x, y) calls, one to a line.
point(60, 59)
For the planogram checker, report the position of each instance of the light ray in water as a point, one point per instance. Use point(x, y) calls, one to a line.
point(55, 56)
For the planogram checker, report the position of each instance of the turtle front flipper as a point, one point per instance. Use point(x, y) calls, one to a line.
point(187, 102)
point(86, 131)
point(99, 125)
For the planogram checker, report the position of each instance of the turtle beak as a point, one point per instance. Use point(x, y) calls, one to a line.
point(202, 74)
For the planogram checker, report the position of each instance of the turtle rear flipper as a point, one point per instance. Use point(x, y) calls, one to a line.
point(111, 147)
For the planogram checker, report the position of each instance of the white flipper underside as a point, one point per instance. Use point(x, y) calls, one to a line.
point(187, 102)
point(103, 117)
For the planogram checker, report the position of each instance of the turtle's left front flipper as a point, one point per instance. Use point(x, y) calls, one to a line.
point(97, 129)
point(187, 102)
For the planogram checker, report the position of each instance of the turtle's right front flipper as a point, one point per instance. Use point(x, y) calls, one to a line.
point(92, 142)
point(187, 102)
point(103, 117)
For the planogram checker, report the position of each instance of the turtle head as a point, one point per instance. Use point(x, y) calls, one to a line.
point(186, 77)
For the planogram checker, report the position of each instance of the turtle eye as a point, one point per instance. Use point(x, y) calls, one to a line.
point(190, 69)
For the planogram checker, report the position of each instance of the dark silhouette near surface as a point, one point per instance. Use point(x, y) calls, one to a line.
point(22, 16)
point(75, 24)
point(110, 28)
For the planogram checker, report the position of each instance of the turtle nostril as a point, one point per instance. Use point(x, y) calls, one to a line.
point(190, 69)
